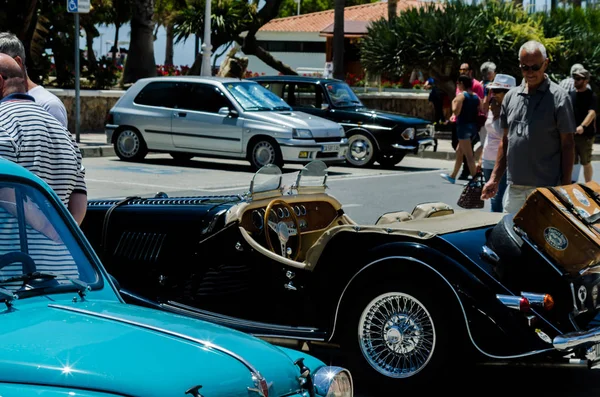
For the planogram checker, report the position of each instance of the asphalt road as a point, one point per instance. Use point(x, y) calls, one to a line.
point(366, 194)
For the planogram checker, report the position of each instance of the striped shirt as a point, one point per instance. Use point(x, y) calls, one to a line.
point(34, 139)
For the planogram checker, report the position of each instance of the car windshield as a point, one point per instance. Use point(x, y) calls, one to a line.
point(342, 95)
point(254, 97)
point(35, 238)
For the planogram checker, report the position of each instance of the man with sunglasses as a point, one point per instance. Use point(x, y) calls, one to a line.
point(584, 104)
point(537, 148)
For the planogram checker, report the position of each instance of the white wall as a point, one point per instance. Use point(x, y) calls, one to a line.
point(293, 59)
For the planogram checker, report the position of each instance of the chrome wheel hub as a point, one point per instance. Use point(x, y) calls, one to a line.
point(264, 154)
point(396, 335)
point(128, 143)
point(360, 150)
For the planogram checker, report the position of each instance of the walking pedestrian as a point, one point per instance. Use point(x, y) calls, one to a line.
point(497, 89)
point(465, 69)
point(465, 108)
point(585, 104)
point(537, 147)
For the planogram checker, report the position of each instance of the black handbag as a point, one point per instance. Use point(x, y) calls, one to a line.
point(470, 197)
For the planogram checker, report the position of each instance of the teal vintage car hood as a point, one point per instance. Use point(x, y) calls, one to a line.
point(104, 346)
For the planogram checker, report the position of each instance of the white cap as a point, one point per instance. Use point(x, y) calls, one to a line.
point(502, 81)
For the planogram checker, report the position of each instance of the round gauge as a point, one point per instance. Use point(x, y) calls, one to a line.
point(286, 212)
point(280, 213)
point(297, 210)
point(257, 219)
point(302, 210)
point(273, 216)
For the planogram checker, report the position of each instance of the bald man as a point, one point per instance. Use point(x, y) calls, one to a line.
point(34, 139)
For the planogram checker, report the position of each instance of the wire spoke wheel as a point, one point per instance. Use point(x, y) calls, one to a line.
point(396, 335)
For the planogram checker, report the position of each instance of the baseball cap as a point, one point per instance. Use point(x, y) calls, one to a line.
point(580, 71)
point(502, 81)
point(576, 66)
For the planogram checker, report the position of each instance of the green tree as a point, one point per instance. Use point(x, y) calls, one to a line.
point(437, 38)
point(580, 30)
point(228, 20)
point(165, 14)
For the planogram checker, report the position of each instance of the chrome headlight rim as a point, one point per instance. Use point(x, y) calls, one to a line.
point(326, 378)
point(408, 134)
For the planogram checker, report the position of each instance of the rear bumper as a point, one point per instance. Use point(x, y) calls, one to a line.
point(572, 340)
point(109, 129)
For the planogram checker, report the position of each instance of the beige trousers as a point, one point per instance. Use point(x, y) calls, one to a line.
point(516, 197)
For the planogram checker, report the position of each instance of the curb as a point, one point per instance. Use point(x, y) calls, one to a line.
point(97, 151)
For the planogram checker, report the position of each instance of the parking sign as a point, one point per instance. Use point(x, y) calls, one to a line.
point(78, 6)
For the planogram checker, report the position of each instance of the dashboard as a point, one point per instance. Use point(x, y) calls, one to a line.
point(312, 216)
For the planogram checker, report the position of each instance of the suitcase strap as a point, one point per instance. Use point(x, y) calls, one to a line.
point(587, 220)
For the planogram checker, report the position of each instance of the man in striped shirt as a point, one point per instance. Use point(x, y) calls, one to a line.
point(33, 138)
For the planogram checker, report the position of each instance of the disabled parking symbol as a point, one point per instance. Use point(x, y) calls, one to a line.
point(72, 5)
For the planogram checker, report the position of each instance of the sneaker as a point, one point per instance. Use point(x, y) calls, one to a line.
point(448, 178)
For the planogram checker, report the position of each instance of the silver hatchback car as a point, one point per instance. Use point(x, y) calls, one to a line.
point(189, 116)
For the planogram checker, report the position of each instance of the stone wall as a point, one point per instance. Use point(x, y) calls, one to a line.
point(94, 105)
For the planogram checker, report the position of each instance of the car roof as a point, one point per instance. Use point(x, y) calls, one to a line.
point(191, 79)
point(294, 78)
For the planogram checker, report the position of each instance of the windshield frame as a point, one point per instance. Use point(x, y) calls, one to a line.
point(71, 235)
point(354, 101)
point(278, 105)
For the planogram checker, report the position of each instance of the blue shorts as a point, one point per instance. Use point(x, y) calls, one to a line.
point(466, 131)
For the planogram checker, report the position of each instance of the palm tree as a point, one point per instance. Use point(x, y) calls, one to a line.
point(140, 59)
point(338, 39)
point(392, 10)
point(165, 14)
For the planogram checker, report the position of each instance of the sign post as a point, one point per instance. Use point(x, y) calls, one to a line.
point(77, 7)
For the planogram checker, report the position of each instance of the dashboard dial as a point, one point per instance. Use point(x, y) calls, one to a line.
point(257, 219)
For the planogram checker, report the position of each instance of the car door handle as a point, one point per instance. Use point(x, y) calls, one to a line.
point(179, 114)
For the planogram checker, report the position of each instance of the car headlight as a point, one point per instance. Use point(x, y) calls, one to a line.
point(333, 382)
point(302, 134)
point(408, 134)
point(342, 132)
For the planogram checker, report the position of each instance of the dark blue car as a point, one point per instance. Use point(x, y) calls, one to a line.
point(373, 135)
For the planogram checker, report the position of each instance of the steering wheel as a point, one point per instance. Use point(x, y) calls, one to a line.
point(282, 229)
point(14, 257)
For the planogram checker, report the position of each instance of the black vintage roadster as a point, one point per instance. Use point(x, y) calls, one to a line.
point(404, 299)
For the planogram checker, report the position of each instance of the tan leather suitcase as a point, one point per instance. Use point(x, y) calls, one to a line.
point(564, 222)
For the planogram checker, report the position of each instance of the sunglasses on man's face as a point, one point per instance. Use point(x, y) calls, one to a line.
point(577, 78)
point(535, 68)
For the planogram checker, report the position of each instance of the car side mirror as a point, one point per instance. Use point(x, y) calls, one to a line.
point(325, 106)
point(225, 111)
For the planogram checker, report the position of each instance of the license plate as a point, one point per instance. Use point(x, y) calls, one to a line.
point(331, 148)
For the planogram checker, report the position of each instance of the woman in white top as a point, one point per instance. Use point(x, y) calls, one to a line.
point(497, 89)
